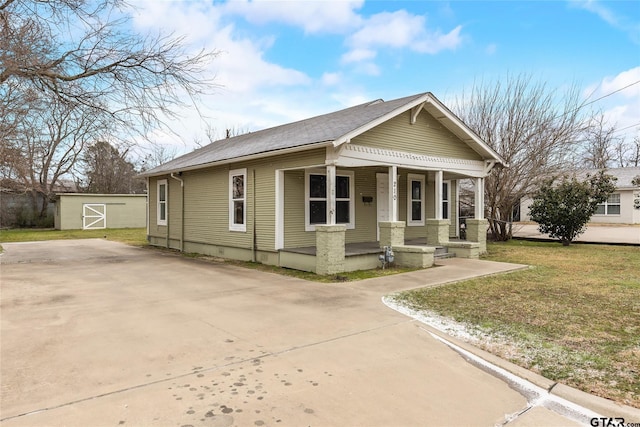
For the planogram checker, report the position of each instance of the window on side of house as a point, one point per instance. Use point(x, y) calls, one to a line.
point(415, 199)
point(237, 200)
point(446, 196)
point(611, 206)
point(161, 215)
point(316, 199)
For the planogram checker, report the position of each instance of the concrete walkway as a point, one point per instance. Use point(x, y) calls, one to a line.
point(98, 333)
point(595, 233)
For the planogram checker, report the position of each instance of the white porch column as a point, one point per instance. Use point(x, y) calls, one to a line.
point(331, 194)
point(393, 193)
point(479, 199)
point(438, 195)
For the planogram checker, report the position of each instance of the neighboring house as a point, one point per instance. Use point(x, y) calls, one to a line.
point(622, 207)
point(325, 193)
point(75, 211)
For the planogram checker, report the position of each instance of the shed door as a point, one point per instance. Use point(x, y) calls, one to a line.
point(94, 216)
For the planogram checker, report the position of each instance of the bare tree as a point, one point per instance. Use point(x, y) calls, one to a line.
point(532, 126)
point(79, 70)
point(108, 171)
point(633, 156)
point(78, 51)
point(51, 139)
point(600, 144)
point(157, 154)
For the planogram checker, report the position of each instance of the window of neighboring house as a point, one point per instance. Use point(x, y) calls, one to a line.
point(237, 200)
point(316, 199)
point(415, 199)
point(446, 196)
point(162, 202)
point(611, 206)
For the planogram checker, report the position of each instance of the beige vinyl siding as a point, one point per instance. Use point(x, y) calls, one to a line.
point(366, 221)
point(207, 202)
point(294, 220)
point(427, 136)
point(174, 211)
point(294, 234)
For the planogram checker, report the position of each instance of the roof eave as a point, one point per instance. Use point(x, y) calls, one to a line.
point(256, 156)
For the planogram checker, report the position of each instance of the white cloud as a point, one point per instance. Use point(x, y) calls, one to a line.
point(331, 79)
point(252, 88)
point(358, 55)
point(491, 49)
point(620, 100)
point(335, 17)
point(398, 30)
point(627, 82)
point(401, 29)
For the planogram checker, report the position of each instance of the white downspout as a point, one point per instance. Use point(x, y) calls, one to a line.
point(182, 210)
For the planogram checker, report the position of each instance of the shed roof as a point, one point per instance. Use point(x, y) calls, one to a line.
point(327, 129)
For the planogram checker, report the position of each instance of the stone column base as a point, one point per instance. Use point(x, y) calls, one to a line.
point(477, 232)
point(438, 232)
point(391, 233)
point(330, 249)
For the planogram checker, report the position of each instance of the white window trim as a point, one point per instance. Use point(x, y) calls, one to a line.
point(447, 200)
point(606, 205)
point(232, 225)
point(166, 197)
point(422, 180)
point(352, 208)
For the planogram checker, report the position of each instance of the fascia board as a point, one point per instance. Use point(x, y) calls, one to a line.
point(242, 159)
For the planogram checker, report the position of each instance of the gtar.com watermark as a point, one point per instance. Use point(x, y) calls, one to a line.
point(612, 422)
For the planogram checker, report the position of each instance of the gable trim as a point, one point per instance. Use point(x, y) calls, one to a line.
point(353, 155)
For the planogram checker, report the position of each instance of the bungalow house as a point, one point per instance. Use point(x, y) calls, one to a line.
point(326, 193)
point(622, 206)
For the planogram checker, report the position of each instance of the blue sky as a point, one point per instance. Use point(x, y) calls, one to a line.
point(282, 61)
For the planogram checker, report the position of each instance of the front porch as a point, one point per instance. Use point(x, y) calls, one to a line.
point(331, 255)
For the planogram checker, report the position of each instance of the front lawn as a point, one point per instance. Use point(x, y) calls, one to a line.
point(574, 317)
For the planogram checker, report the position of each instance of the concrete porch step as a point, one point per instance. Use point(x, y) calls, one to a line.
point(443, 253)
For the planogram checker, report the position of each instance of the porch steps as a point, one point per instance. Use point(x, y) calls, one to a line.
point(443, 253)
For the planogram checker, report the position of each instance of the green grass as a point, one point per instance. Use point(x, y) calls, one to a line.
point(574, 317)
point(130, 236)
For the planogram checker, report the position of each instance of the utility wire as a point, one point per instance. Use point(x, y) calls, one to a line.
point(611, 93)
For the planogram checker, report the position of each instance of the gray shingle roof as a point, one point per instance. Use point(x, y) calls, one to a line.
point(624, 175)
point(324, 128)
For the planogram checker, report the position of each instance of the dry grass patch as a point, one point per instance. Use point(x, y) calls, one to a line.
point(574, 317)
point(130, 236)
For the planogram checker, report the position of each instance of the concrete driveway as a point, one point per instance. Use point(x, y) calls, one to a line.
point(98, 333)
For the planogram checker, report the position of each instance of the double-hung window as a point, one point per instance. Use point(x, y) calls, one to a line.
point(161, 208)
point(316, 201)
point(415, 199)
point(446, 195)
point(237, 200)
point(611, 206)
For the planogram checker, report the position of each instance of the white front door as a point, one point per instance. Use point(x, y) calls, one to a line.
point(94, 216)
point(382, 200)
